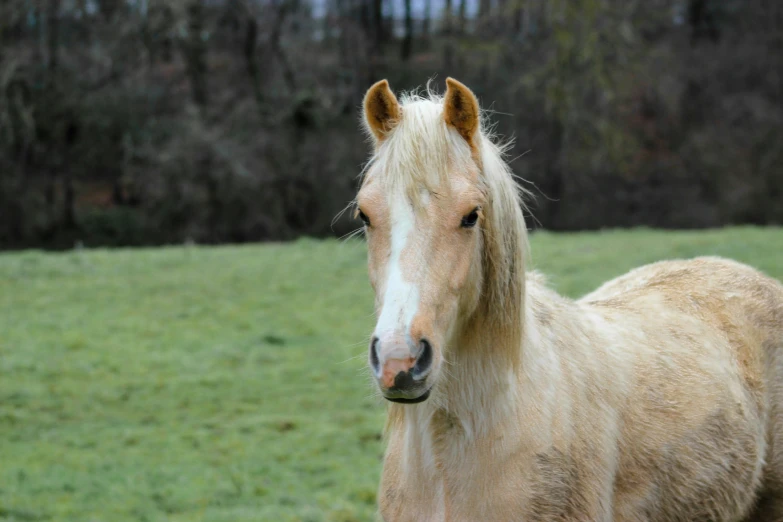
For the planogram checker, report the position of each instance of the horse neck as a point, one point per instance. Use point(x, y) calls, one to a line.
point(483, 370)
point(479, 384)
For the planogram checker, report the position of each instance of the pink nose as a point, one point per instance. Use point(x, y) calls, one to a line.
point(400, 369)
point(393, 367)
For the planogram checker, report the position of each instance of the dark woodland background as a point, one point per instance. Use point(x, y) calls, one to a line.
point(148, 122)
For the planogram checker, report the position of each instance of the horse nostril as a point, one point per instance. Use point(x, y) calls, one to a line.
point(374, 362)
point(424, 361)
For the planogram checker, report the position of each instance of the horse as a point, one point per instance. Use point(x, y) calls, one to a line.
point(658, 397)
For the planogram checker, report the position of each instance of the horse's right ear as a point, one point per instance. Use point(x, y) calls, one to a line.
point(381, 110)
point(461, 109)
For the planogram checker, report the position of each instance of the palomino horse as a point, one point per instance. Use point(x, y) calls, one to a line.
point(658, 397)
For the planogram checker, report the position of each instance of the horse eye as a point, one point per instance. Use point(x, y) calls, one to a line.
point(364, 218)
point(470, 220)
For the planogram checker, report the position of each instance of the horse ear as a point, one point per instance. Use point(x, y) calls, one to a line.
point(461, 109)
point(381, 110)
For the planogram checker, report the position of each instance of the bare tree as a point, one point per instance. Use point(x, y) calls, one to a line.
point(195, 50)
point(426, 26)
point(53, 33)
point(462, 16)
point(407, 40)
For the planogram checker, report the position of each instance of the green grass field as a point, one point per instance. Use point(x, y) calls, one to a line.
point(227, 384)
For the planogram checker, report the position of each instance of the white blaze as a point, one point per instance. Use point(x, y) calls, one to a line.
point(400, 298)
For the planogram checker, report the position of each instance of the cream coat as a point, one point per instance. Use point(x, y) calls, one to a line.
point(656, 398)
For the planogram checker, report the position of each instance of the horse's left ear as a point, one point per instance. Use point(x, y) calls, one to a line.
point(461, 109)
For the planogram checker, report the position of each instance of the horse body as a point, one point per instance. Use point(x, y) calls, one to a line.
point(656, 398)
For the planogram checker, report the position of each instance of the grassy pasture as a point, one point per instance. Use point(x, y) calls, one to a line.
point(227, 384)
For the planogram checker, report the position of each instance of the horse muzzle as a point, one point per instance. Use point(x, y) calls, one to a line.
point(402, 379)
